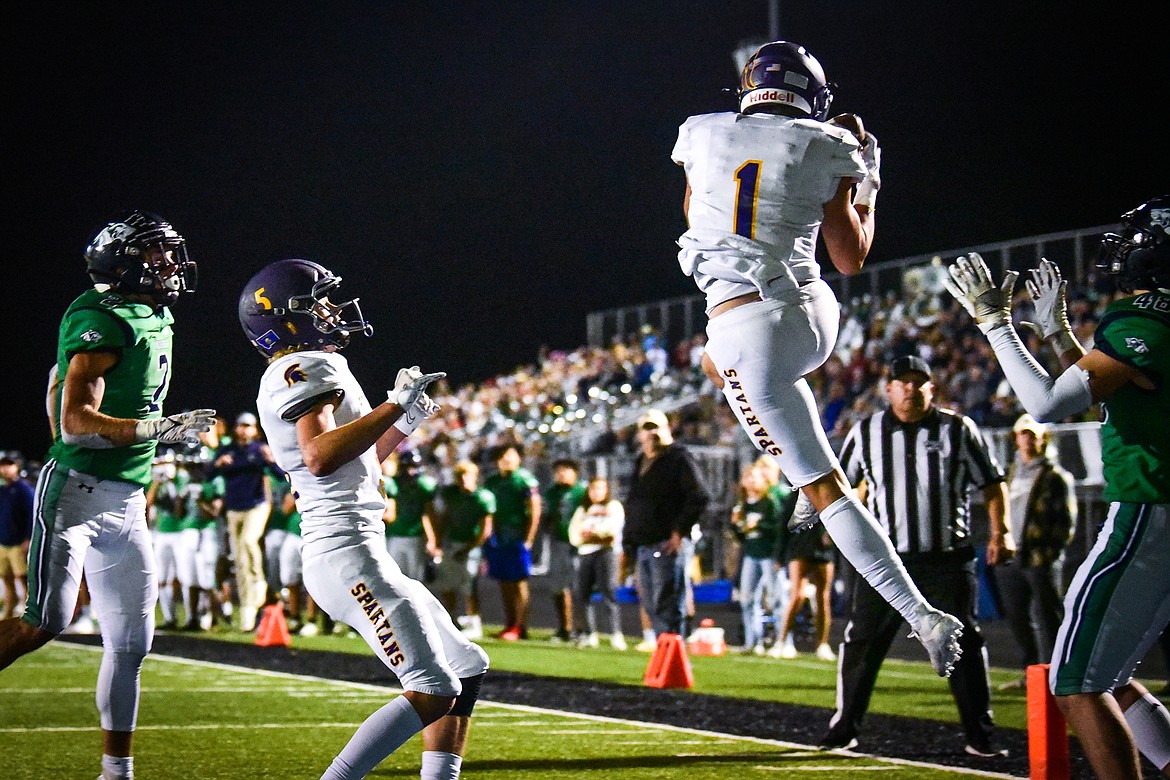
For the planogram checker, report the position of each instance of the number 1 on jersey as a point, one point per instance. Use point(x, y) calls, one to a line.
point(747, 189)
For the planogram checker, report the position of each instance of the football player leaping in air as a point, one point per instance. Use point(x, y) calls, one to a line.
point(762, 184)
point(327, 438)
point(105, 403)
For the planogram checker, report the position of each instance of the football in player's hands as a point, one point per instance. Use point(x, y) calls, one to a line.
point(852, 123)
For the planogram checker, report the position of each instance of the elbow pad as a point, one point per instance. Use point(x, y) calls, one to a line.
point(1045, 399)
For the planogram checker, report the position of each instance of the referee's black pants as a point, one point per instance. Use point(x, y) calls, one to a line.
point(948, 582)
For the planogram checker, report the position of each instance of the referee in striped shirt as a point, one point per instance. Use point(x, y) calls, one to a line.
point(913, 464)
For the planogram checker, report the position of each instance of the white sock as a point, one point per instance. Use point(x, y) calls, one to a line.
point(382, 733)
point(117, 767)
point(437, 765)
point(649, 635)
point(1150, 723)
point(864, 544)
point(166, 603)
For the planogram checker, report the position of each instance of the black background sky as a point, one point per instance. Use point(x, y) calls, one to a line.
point(484, 174)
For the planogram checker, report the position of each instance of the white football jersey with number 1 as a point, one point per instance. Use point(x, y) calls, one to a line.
point(759, 183)
point(348, 502)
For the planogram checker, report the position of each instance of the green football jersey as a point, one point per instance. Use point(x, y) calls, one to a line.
point(1135, 437)
point(513, 511)
point(411, 499)
point(465, 513)
point(198, 496)
point(169, 500)
point(135, 388)
point(278, 519)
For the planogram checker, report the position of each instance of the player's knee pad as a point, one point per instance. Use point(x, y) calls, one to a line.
point(465, 701)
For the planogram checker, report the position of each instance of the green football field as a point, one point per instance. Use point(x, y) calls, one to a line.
point(207, 721)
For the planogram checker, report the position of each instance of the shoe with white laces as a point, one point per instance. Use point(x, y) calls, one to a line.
point(825, 653)
point(939, 633)
point(618, 641)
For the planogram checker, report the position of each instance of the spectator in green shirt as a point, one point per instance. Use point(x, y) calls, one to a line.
point(464, 524)
point(410, 532)
point(509, 549)
point(560, 501)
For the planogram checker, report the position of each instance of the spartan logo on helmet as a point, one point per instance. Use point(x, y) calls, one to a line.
point(286, 307)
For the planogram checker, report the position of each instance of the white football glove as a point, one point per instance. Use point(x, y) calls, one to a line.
point(181, 428)
point(1047, 289)
point(867, 189)
point(410, 384)
point(804, 515)
point(424, 407)
point(969, 280)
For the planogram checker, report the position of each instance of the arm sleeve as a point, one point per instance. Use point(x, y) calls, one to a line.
point(1045, 399)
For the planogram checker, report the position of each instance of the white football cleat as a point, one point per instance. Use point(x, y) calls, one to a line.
point(618, 641)
point(939, 633)
point(825, 653)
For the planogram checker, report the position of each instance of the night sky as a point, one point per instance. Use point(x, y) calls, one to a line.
point(485, 174)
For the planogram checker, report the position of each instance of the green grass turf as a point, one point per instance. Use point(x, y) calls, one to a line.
point(907, 688)
point(205, 722)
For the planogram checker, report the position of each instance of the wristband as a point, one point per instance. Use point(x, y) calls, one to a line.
point(409, 421)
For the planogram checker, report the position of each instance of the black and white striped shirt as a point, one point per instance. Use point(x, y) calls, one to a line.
point(919, 476)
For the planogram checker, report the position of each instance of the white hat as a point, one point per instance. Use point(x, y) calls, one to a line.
point(1029, 423)
point(246, 418)
point(656, 418)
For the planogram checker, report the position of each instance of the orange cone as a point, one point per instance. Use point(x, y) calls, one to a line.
point(273, 628)
point(669, 666)
point(1047, 730)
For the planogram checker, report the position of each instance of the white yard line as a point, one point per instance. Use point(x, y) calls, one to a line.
point(525, 708)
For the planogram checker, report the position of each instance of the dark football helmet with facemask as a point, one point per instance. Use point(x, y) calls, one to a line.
point(141, 254)
point(784, 76)
point(286, 306)
point(1139, 256)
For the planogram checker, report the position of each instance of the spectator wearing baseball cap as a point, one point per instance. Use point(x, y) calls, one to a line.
point(243, 464)
point(664, 503)
point(1042, 515)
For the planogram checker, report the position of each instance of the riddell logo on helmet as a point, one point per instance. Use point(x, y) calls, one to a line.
point(772, 96)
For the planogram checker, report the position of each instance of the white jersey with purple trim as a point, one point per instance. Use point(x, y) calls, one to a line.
point(348, 502)
point(759, 183)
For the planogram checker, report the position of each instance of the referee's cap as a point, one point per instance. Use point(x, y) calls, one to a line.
point(908, 364)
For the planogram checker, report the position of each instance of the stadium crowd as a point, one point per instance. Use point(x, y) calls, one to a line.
point(583, 404)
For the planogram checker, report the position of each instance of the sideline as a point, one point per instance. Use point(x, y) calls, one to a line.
point(525, 708)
